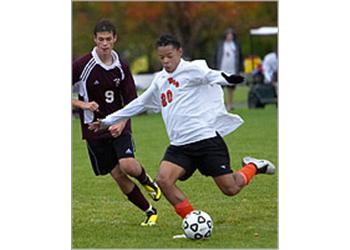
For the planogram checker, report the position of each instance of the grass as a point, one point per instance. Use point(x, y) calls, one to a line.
point(103, 218)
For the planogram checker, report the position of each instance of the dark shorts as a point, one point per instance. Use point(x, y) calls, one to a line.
point(209, 156)
point(231, 86)
point(105, 153)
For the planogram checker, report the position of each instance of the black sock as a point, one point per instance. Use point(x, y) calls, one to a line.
point(142, 178)
point(137, 198)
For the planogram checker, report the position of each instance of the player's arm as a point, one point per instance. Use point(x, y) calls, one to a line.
point(76, 72)
point(92, 106)
point(147, 101)
point(211, 76)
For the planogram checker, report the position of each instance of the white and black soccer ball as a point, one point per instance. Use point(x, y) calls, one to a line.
point(197, 225)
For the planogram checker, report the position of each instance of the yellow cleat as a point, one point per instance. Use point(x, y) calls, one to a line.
point(153, 189)
point(151, 220)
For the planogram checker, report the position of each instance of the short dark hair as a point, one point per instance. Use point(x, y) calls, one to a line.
point(104, 25)
point(168, 39)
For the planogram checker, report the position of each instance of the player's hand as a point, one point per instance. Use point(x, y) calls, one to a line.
point(95, 126)
point(233, 79)
point(117, 129)
point(92, 106)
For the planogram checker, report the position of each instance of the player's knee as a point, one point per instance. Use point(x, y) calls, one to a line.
point(126, 162)
point(117, 174)
point(128, 165)
point(163, 181)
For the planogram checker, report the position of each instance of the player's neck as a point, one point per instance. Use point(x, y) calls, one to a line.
point(106, 59)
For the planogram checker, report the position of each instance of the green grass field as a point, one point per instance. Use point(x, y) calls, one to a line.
point(103, 218)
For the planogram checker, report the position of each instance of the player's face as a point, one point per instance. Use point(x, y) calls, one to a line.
point(169, 57)
point(105, 42)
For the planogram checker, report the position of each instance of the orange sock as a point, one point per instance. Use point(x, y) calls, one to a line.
point(248, 172)
point(183, 208)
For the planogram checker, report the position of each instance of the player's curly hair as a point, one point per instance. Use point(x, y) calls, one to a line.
point(168, 39)
point(104, 25)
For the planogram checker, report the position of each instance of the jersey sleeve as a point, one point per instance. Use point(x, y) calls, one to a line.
point(76, 72)
point(148, 101)
point(209, 76)
point(215, 77)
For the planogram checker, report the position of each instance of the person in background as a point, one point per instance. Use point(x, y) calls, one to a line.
point(229, 59)
point(270, 70)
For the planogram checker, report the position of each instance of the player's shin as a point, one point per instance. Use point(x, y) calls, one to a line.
point(137, 198)
point(143, 178)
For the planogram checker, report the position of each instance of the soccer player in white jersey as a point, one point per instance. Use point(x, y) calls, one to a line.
point(190, 98)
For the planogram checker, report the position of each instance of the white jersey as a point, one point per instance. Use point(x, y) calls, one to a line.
point(191, 102)
point(228, 61)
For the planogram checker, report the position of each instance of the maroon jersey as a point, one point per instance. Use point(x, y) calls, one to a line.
point(110, 86)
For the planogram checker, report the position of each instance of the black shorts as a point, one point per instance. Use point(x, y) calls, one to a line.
point(209, 156)
point(231, 86)
point(105, 153)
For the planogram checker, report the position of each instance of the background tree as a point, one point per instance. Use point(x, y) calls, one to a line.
point(198, 25)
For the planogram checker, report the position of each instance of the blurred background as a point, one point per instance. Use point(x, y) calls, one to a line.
point(198, 25)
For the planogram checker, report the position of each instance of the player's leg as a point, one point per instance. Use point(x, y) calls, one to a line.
point(104, 160)
point(125, 184)
point(132, 167)
point(232, 184)
point(229, 99)
point(135, 196)
point(124, 148)
point(175, 165)
point(168, 174)
point(215, 162)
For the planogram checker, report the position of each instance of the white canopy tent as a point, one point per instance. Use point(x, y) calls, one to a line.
point(261, 31)
point(264, 31)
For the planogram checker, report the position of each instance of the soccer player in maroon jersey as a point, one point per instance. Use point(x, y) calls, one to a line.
point(105, 85)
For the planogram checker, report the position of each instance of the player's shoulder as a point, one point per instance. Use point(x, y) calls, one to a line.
point(198, 66)
point(124, 63)
point(201, 64)
point(81, 63)
point(121, 61)
point(83, 60)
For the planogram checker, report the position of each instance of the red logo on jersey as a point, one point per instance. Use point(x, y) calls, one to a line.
point(173, 82)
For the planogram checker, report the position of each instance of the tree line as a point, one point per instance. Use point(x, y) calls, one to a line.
point(198, 25)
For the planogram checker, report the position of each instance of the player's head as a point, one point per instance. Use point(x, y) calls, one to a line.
point(105, 37)
point(169, 51)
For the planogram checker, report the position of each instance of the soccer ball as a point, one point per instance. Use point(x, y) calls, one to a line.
point(197, 225)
